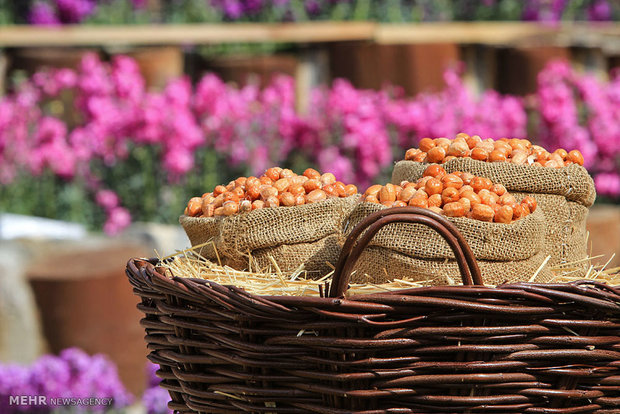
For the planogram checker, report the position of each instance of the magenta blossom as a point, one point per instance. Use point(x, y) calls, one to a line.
point(118, 220)
point(608, 184)
point(107, 199)
point(43, 14)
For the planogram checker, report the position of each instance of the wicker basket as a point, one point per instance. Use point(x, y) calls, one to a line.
point(520, 348)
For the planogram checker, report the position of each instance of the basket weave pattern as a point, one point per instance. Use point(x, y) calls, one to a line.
point(519, 348)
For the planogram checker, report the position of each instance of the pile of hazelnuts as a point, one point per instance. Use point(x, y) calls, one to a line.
point(457, 194)
point(516, 151)
point(278, 187)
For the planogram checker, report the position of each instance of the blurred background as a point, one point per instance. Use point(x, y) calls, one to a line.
point(113, 113)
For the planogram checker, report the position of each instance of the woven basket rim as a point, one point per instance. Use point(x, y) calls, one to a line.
point(151, 265)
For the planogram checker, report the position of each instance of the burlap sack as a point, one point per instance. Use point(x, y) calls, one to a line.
point(310, 234)
point(377, 265)
point(505, 252)
point(563, 195)
point(572, 182)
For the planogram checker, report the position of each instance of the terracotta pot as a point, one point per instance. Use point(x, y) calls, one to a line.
point(518, 67)
point(33, 59)
point(260, 69)
point(158, 65)
point(604, 227)
point(85, 301)
point(416, 67)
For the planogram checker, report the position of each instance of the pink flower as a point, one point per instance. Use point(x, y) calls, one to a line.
point(118, 220)
point(62, 161)
point(331, 160)
point(43, 14)
point(178, 161)
point(128, 82)
point(107, 199)
point(608, 184)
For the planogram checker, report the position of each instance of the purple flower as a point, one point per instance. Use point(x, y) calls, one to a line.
point(599, 10)
point(74, 11)
point(233, 9)
point(151, 370)
point(156, 400)
point(313, 7)
point(531, 11)
point(139, 4)
point(14, 380)
point(253, 6)
point(42, 13)
point(76, 359)
point(73, 374)
point(49, 375)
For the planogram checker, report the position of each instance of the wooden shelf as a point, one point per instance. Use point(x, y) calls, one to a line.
point(184, 34)
point(604, 35)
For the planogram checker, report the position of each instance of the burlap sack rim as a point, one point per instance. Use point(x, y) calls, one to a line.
point(226, 225)
point(438, 271)
point(235, 238)
point(574, 181)
point(434, 247)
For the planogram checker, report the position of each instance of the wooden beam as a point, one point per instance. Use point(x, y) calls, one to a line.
point(604, 35)
point(500, 33)
point(184, 34)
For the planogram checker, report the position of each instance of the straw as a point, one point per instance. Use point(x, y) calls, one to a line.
point(189, 263)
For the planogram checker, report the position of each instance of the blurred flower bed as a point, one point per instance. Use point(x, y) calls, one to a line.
point(75, 375)
point(71, 375)
point(94, 146)
point(139, 11)
point(155, 398)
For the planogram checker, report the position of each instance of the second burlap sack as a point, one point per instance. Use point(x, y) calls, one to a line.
point(308, 235)
point(563, 195)
point(505, 252)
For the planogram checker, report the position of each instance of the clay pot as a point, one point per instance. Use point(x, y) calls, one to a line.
point(518, 67)
point(158, 65)
point(259, 69)
point(32, 59)
point(604, 227)
point(85, 300)
point(415, 67)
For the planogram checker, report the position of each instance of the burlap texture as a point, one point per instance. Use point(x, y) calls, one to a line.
point(316, 256)
point(572, 182)
point(266, 231)
point(565, 234)
point(489, 241)
point(563, 195)
point(379, 265)
point(505, 252)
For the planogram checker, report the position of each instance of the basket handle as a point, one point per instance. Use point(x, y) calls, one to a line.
point(355, 245)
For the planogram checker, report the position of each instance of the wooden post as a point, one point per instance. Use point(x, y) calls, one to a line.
point(590, 59)
point(4, 63)
point(312, 71)
point(480, 67)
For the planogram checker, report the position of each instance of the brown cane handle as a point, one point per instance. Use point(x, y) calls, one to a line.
point(354, 245)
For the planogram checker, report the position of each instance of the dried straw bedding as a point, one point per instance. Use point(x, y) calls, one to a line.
point(273, 281)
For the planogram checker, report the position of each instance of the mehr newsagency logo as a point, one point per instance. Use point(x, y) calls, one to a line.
point(42, 401)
